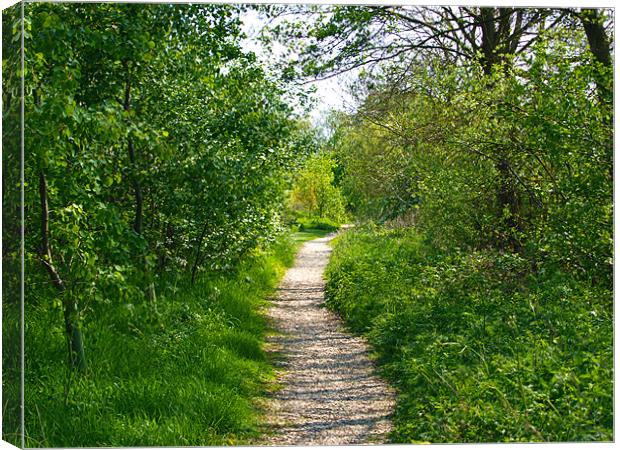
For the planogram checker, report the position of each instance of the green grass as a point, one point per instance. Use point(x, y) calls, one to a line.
point(300, 237)
point(316, 223)
point(189, 373)
point(481, 346)
point(11, 369)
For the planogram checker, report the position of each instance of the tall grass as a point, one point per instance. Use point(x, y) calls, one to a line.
point(11, 364)
point(185, 371)
point(481, 346)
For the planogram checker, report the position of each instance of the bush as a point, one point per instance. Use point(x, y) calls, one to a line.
point(481, 347)
point(316, 223)
point(185, 373)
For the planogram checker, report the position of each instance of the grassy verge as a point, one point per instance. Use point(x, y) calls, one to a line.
point(316, 223)
point(300, 237)
point(187, 372)
point(480, 347)
point(11, 367)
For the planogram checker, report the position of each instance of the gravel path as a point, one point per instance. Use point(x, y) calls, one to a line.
point(328, 395)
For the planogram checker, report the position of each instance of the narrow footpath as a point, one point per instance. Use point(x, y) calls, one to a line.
point(329, 394)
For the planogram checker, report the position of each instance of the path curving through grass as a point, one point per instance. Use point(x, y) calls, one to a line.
point(329, 393)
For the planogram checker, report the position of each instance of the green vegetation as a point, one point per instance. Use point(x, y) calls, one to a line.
point(11, 261)
point(185, 371)
point(317, 223)
point(480, 347)
point(487, 292)
point(158, 154)
point(163, 163)
point(316, 201)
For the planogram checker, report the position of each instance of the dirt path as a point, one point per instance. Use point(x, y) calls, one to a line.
point(329, 394)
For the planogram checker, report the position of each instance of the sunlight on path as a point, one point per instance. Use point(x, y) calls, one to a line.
point(329, 394)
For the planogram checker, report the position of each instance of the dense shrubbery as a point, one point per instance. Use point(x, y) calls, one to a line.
point(520, 162)
point(154, 147)
point(185, 371)
point(481, 347)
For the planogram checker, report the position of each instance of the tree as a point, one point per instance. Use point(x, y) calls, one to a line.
point(438, 147)
point(156, 145)
point(392, 42)
point(342, 38)
point(314, 191)
point(594, 25)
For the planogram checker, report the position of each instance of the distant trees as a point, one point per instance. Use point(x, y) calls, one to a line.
point(315, 192)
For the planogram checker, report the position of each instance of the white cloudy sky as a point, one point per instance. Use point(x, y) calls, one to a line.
point(331, 93)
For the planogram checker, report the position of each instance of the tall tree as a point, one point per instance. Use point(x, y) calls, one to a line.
point(152, 136)
point(391, 42)
point(594, 25)
point(343, 38)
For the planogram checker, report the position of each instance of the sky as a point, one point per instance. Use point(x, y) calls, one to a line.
point(331, 93)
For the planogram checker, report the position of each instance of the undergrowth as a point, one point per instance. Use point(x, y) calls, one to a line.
point(481, 346)
point(186, 370)
point(316, 223)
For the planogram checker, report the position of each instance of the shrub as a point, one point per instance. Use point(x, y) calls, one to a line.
point(317, 223)
point(481, 347)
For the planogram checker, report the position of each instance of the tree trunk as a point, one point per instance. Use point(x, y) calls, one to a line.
point(594, 27)
point(75, 343)
point(137, 223)
point(508, 199)
point(493, 54)
point(198, 252)
point(489, 38)
point(592, 21)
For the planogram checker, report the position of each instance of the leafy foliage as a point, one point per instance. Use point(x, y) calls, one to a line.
point(523, 160)
point(209, 127)
point(481, 348)
point(157, 151)
point(315, 193)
